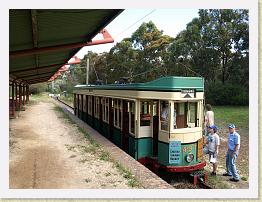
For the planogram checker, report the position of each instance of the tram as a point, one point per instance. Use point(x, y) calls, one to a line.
point(159, 122)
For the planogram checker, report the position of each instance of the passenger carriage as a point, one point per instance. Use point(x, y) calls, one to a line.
point(130, 116)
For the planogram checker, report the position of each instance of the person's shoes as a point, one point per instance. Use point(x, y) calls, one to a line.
point(226, 174)
point(233, 180)
point(213, 173)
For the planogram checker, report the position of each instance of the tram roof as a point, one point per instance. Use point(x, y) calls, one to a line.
point(172, 83)
point(42, 40)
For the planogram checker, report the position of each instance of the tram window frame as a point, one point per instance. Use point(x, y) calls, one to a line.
point(132, 117)
point(105, 104)
point(90, 105)
point(194, 114)
point(164, 123)
point(145, 113)
point(97, 103)
point(80, 102)
point(84, 103)
point(183, 111)
point(117, 113)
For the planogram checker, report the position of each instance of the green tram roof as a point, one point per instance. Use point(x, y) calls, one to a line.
point(171, 83)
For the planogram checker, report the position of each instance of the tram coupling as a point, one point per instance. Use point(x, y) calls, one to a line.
point(200, 178)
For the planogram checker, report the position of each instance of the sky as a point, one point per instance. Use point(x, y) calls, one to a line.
point(171, 21)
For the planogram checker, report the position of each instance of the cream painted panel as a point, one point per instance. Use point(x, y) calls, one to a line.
point(145, 131)
point(129, 94)
point(186, 136)
point(163, 136)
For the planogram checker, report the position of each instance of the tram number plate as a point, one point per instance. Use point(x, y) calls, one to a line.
point(174, 152)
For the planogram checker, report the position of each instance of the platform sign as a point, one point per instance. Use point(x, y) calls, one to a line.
point(174, 152)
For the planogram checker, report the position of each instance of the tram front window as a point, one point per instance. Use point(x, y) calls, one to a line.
point(145, 116)
point(164, 111)
point(185, 115)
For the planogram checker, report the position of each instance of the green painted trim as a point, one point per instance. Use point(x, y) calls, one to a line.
point(171, 83)
point(163, 154)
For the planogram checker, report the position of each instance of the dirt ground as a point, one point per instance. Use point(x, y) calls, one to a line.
point(241, 162)
point(47, 153)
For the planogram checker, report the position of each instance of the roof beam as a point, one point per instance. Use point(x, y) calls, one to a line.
point(42, 50)
point(33, 75)
point(37, 68)
point(43, 79)
point(34, 27)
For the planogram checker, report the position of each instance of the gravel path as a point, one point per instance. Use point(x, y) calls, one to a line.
point(46, 152)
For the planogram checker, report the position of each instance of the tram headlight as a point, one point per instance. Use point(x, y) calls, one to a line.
point(189, 157)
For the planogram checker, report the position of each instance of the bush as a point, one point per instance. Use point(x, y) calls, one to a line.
point(38, 88)
point(227, 94)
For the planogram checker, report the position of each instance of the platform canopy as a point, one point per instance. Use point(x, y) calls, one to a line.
point(42, 41)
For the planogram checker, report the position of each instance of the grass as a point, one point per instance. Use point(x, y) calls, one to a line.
point(231, 114)
point(69, 99)
point(239, 115)
point(217, 182)
point(96, 148)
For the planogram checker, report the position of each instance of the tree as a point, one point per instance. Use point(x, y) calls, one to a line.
point(213, 42)
point(152, 48)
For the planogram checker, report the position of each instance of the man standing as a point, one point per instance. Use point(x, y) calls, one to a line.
point(213, 145)
point(209, 118)
point(232, 153)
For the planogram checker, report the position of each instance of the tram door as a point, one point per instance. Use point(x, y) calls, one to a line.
point(111, 119)
point(100, 116)
point(155, 127)
point(125, 127)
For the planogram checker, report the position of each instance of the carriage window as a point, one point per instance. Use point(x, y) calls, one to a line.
point(164, 111)
point(97, 107)
point(84, 103)
point(90, 105)
point(117, 112)
point(132, 117)
point(105, 109)
point(145, 116)
point(192, 114)
point(80, 102)
point(186, 115)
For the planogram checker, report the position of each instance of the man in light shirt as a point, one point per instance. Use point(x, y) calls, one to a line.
point(209, 118)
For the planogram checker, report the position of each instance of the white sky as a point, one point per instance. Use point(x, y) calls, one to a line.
point(171, 21)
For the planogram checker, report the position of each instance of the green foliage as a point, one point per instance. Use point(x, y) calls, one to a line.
point(213, 45)
point(229, 94)
point(38, 88)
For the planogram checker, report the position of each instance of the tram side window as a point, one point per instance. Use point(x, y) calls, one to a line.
point(90, 105)
point(132, 117)
point(105, 109)
point(187, 115)
point(192, 114)
point(117, 113)
point(84, 103)
point(164, 111)
point(145, 116)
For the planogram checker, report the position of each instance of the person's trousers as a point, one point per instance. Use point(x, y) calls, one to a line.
point(231, 165)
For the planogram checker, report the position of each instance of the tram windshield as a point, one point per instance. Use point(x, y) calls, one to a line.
point(186, 115)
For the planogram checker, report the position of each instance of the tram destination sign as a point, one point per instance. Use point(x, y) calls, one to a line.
point(188, 93)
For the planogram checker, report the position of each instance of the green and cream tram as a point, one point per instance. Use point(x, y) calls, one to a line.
point(159, 121)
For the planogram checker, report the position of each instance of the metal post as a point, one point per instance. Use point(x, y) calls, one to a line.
point(20, 96)
point(27, 94)
point(87, 71)
point(13, 99)
point(23, 94)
